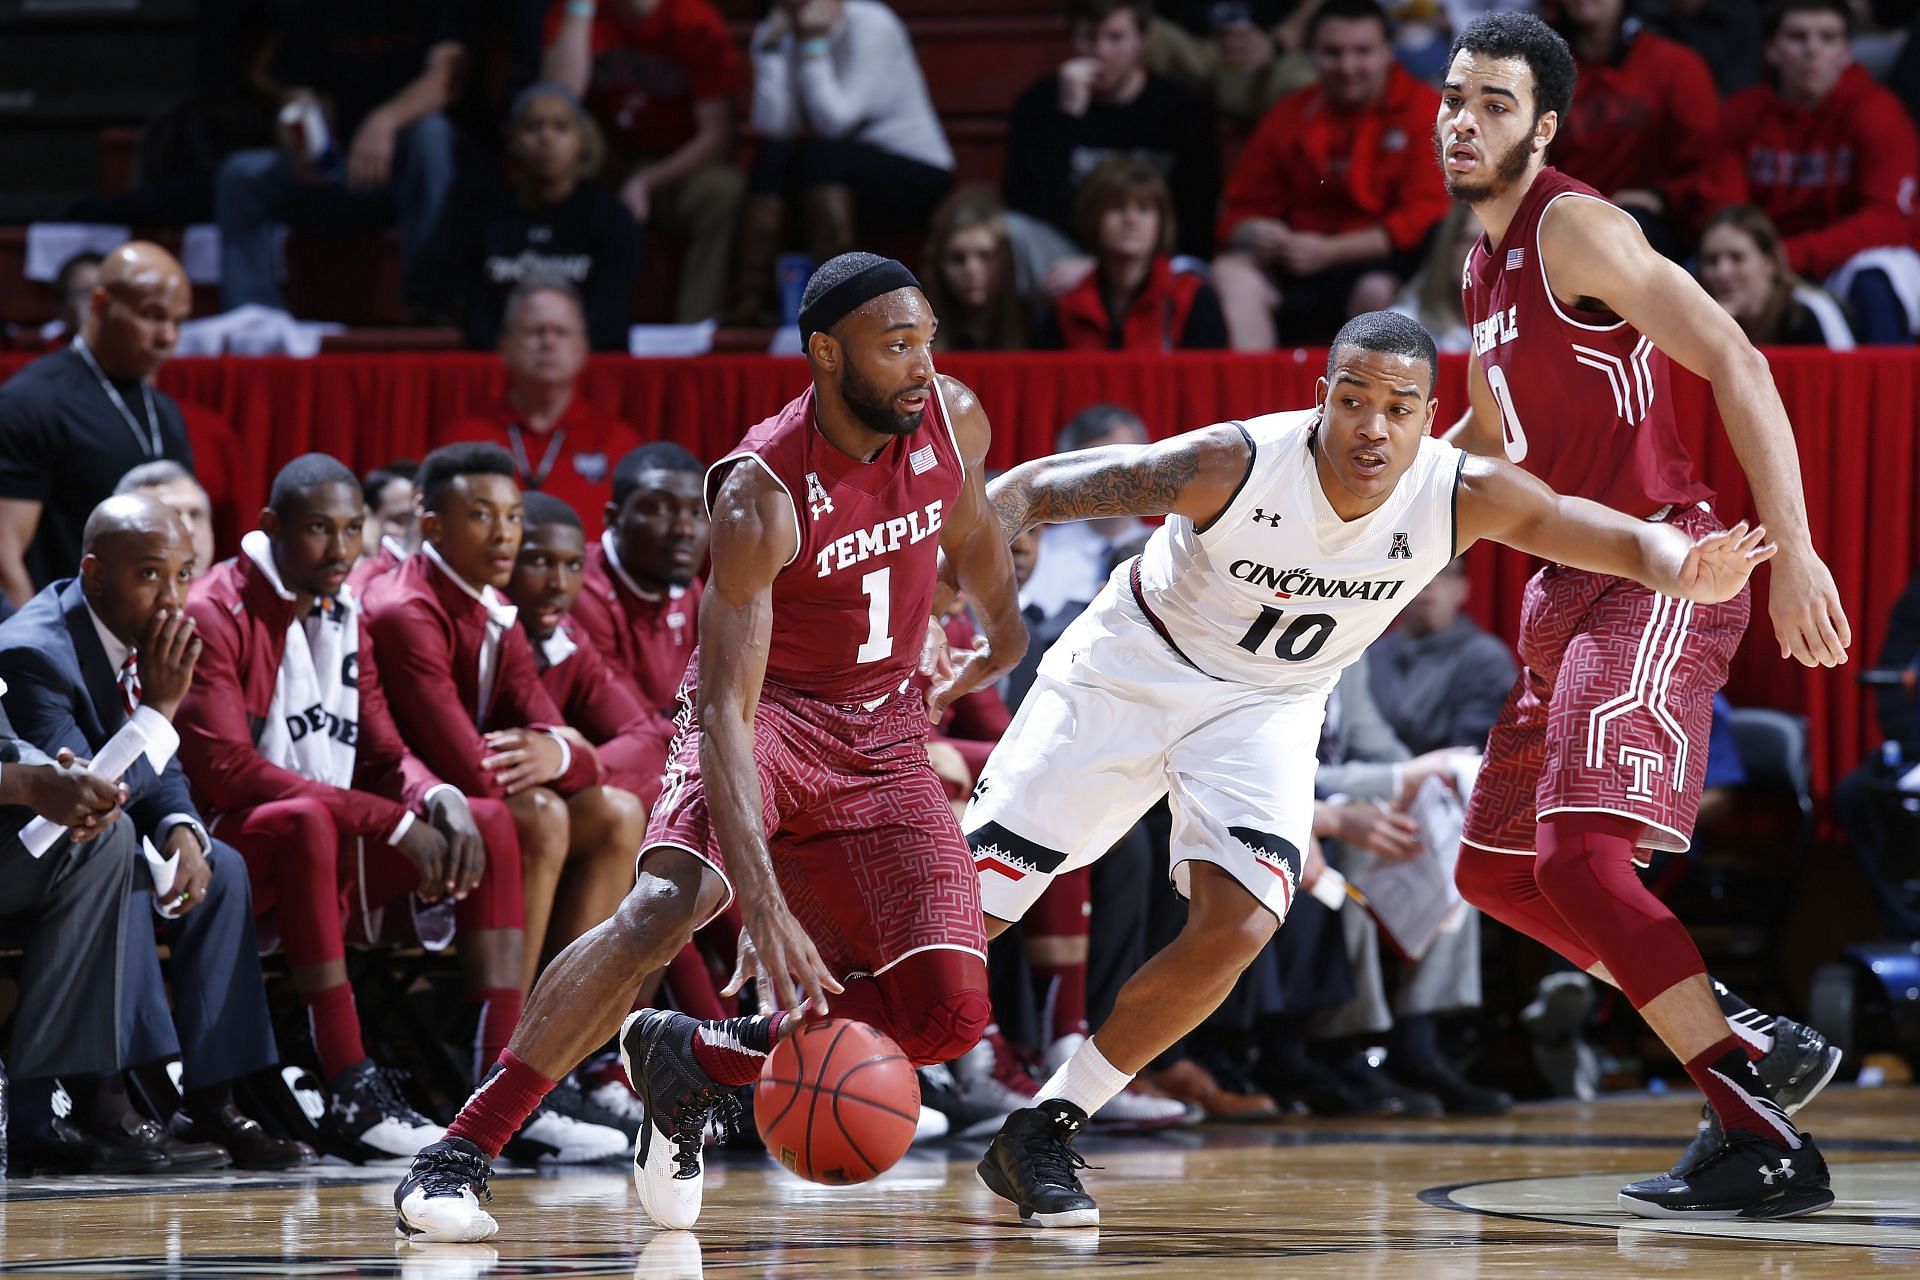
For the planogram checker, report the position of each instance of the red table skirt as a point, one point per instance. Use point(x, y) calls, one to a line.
point(1854, 414)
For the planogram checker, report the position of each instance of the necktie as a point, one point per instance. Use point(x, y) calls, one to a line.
point(130, 681)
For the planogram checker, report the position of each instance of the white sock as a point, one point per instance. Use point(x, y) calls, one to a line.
point(1087, 1080)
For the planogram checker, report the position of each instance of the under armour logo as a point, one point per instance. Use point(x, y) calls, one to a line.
point(62, 1101)
point(1785, 1171)
point(818, 503)
point(1400, 550)
point(1273, 521)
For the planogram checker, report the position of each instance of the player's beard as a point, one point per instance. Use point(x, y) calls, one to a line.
point(1508, 168)
point(875, 408)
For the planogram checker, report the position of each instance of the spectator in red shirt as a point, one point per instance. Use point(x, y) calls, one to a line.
point(641, 599)
point(560, 443)
point(660, 78)
point(1134, 299)
point(468, 699)
point(1642, 126)
point(337, 828)
point(1831, 157)
point(1328, 210)
point(631, 739)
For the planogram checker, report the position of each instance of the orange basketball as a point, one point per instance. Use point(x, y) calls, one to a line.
point(837, 1102)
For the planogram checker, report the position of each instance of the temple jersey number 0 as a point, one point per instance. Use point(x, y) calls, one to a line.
point(1513, 437)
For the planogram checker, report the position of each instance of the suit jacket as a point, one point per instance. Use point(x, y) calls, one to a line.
point(427, 635)
point(242, 622)
point(647, 641)
point(631, 739)
point(63, 692)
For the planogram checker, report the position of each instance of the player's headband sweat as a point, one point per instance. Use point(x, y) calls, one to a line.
point(864, 285)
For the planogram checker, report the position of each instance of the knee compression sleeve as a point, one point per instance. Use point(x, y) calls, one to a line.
point(1586, 871)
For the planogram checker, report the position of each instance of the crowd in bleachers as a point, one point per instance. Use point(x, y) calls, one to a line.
point(665, 156)
point(404, 716)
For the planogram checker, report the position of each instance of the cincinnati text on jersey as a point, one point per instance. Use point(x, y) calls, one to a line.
point(1288, 583)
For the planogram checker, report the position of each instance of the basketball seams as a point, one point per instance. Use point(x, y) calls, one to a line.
point(885, 1124)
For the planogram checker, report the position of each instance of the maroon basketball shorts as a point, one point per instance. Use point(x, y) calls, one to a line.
point(1612, 708)
point(864, 842)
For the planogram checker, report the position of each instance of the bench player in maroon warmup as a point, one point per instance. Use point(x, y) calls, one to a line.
point(799, 777)
point(1601, 750)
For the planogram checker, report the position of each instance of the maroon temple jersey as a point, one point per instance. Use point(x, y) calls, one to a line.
point(850, 609)
point(1584, 397)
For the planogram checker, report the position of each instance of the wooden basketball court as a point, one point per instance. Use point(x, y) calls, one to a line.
point(1528, 1194)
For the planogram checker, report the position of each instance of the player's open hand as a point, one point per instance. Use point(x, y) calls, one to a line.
point(780, 959)
point(1718, 565)
point(965, 671)
point(1807, 615)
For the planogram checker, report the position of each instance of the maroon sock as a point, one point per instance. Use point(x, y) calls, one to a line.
point(1066, 999)
point(733, 1050)
point(1727, 1076)
point(335, 1023)
point(499, 1015)
point(500, 1105)
point(690, 983)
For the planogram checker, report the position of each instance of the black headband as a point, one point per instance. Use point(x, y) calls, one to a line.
point(864, 285)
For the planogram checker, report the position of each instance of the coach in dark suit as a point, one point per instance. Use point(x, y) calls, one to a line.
point(112, 651)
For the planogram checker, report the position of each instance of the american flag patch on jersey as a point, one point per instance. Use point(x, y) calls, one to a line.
point(1514, 258)
point(923, 460)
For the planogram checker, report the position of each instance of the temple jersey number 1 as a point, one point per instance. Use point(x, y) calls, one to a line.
point(879, 641)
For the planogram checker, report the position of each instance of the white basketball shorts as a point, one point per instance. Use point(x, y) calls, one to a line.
point(1115, 720)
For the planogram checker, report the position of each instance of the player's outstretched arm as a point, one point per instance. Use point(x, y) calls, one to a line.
point(1194, 475)
point(1593, 251)
point(753, 539)
point(1504, 504)
point(975, 559)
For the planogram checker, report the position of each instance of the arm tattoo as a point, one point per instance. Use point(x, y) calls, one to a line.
point(1114, 481)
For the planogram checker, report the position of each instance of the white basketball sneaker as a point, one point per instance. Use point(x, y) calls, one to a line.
point(438, 1202)
point(656, 1051)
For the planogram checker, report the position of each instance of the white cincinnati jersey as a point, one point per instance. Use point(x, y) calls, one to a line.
point(1278, 589)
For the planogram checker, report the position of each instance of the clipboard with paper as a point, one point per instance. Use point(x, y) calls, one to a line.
point(1414, 902)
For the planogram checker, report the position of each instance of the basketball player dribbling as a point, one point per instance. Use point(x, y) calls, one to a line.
point(1601, 749)
point(1201, 673)
point(799, 777)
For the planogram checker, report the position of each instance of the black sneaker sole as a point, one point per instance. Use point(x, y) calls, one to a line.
point(994, 1181)
point(1788, 1204)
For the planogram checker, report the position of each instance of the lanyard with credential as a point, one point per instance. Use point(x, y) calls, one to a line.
point(149, 440)
point(534, 479)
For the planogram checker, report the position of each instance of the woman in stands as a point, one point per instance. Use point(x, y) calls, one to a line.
point(1744, 266)
point(1136, 298)
point(550, 222)
point(1433, 295)
point(969, 276)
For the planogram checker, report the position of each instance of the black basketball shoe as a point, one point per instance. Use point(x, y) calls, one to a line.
point(1031, 1162)
point(656, 1050)
point(1747, 1177)
point(438, 1202)
point(1794, 1071)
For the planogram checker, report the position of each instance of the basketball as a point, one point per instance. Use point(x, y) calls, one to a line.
point(837, 1102)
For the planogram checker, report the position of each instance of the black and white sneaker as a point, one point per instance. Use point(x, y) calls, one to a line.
point(1031, 1162)
point(368, 1119)
point(1746, 1177)
point(438, 1202)
point(1800, 1064)
point(656, 1052)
